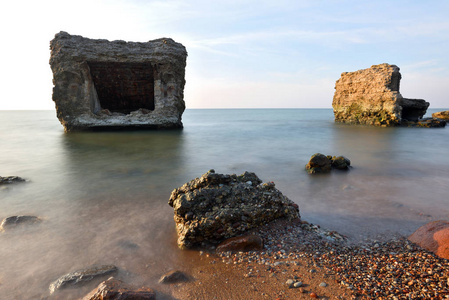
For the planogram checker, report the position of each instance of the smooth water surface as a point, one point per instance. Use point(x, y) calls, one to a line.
point(103, 196)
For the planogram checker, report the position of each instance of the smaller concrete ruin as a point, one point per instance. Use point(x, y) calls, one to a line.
point(371, 96)
point(100, 84)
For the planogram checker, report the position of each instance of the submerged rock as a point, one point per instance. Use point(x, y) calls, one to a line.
point(215, 207)
point(433, 236)
point(174, 276)
point(425, 123)
point(101, 85)
point(442, 115)
point(14, 221)
point(371, 96)
point(241, 243)
point(81, 277)
point(10, 179)
point(113, 289)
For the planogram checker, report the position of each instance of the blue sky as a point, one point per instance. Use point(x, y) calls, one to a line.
point(241, 54)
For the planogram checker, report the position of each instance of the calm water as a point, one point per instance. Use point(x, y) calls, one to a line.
point(104, 195)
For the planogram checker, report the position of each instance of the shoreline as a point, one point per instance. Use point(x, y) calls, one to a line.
point(326, 264)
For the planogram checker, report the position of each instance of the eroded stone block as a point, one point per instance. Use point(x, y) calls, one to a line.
point(100, 84)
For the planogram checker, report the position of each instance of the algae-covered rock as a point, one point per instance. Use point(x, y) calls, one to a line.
point(442, 115)
point(319, 163)
point(215, 207)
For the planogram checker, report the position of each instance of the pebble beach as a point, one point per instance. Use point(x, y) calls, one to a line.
point(303, 261)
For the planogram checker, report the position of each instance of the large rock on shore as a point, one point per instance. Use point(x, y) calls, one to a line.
point(215, 207)
point(433, 236)
point(371, 96)
point(100, 84)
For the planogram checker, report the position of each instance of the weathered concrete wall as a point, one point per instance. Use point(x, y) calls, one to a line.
point(371, 96)
point(100, 84)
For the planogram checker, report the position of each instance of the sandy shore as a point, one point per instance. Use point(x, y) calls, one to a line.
point(301, 261)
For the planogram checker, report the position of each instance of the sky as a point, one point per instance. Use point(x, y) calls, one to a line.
point(241, 54)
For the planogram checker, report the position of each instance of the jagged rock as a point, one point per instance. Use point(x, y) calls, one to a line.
point(371, 96)
point(215, 207)
point(442, 115)
point(10, 179)
point(319, 163)
point(173, 277)
point(113, 289)
point(100, 84)
point(241, 243)
point(433, 236)
point(14, 221)
point(81, 277)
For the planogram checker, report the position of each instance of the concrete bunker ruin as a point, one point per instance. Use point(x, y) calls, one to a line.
point(371, 96)
point(100, 84)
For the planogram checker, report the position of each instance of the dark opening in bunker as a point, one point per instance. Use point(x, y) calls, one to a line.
point(123, 87)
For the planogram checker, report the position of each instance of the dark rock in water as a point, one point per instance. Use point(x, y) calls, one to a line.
point(215, 207)
point(442, 115)
point(241, 243)
point(125, 244)
point(81, 277)
point(113, 289)
point(425, 123)
point(433, 236)
point(14, 221)
point(173, 277)
point(319, 163)
point(11, 179)
point(340, 163)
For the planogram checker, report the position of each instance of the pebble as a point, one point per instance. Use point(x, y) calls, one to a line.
point(297, 284)
point(323, 284)
point(290, 283)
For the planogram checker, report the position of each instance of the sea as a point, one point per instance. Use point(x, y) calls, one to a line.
point(103, 196)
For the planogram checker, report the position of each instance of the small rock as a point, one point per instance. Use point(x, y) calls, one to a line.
point(318, 163)
point(241, 243)
point(313, 295)
point(443, 115)
point(290, 283)
point(113, 289)
point(297, 284)
point(14, 221)
point(81, 277)
point(341, 163)
point(323, 284)
point(10, 179)
point(174, 276)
